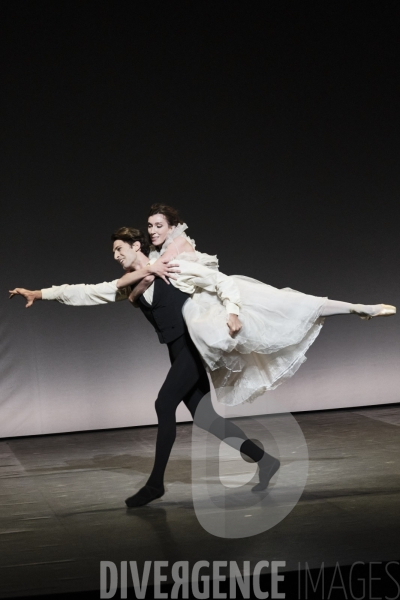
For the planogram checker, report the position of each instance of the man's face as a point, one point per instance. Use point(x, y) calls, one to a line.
point(125, 254)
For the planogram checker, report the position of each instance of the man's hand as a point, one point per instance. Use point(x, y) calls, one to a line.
point(30, 296)
point(139, 289)
point(234, 324)
point(162, 268)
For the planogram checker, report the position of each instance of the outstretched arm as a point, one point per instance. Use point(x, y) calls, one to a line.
point(75, 295)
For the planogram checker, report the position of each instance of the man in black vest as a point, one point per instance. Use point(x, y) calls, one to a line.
point(186, 380)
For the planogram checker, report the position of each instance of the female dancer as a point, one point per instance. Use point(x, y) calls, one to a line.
point(262, 348)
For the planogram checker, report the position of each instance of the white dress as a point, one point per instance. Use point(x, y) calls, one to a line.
point(278, 328)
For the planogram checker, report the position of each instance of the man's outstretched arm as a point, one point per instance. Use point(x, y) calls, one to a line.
point(75, 295)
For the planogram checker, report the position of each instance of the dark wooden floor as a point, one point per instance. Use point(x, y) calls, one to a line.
point(62, 503)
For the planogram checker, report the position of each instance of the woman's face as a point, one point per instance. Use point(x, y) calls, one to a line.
point(158, 228)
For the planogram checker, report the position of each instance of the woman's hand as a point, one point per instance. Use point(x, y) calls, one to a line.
point(234, 324)
point(30, 296)
point(162, 268)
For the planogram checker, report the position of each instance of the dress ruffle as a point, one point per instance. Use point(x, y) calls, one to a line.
point(207, 260)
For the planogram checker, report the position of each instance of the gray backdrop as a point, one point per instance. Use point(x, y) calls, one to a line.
point(272, 127)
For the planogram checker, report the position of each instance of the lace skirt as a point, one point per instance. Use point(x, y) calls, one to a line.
point(278, 328)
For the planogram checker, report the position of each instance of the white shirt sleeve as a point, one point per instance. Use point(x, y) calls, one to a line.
point(193, 275)
point(83, 294)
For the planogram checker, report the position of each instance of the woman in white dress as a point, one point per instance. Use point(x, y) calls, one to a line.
point(256, 350)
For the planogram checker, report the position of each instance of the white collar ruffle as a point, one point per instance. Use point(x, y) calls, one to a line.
point(201, 257)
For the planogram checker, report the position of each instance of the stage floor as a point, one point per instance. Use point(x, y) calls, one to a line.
point(62, 503)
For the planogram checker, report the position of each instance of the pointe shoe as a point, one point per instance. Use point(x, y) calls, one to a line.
point(387, 310)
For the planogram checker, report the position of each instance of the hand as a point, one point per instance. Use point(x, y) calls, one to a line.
point(162, 268)
point(234, 324)
point(30, 296)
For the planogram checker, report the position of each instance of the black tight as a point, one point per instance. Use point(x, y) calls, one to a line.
point(187, 381)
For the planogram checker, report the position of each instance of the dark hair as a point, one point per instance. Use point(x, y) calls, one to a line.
point(131, 235)
point(171, 214)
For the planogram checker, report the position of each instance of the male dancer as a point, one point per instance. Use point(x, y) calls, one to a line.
point(187, 379)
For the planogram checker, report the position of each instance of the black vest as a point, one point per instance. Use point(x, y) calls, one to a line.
point(165, 313)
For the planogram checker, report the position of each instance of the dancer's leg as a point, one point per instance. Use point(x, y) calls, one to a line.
point(210, 420)
point(225, 429)
point(187, 379)
point(334, 307)
point(222, 428)
point(182, 377)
